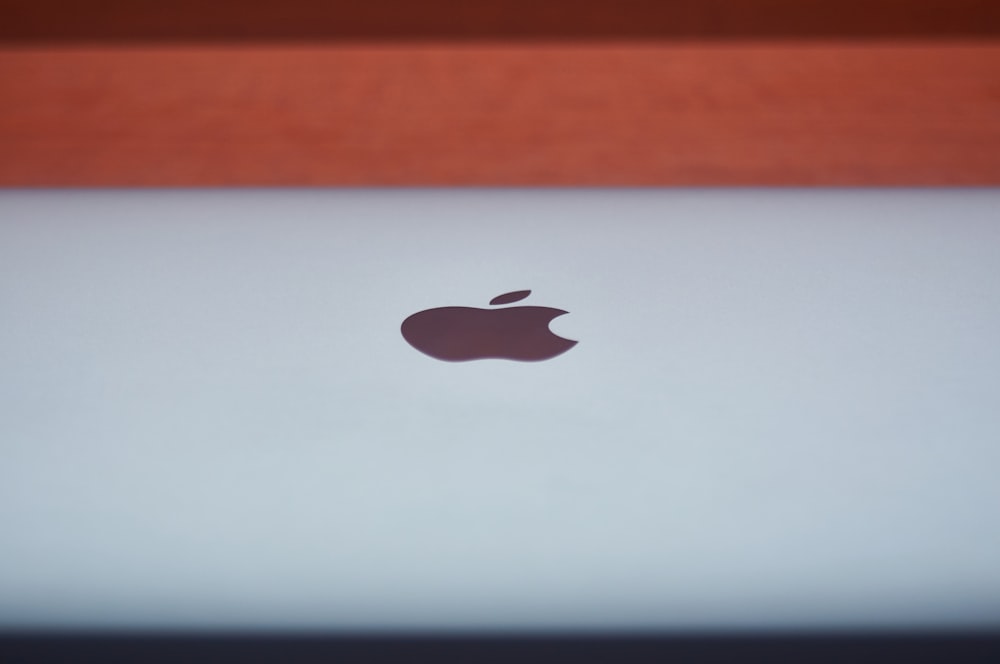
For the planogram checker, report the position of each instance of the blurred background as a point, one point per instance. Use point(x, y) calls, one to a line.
point(499, 92)
point(157, 93)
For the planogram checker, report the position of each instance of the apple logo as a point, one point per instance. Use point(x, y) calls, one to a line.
point(459, 334)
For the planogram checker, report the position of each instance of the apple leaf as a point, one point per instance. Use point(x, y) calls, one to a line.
point(512, 296)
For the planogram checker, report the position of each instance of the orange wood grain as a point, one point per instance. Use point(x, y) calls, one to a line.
point(735, 113)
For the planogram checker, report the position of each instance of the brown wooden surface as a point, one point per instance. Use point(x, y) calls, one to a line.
point(708, 114)
point(144, 21)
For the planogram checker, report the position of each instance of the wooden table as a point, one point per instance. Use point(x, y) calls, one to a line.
point(745, 92)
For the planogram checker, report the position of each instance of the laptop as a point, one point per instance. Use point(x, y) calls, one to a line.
point(498, 412)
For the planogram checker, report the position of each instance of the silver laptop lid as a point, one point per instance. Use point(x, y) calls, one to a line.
point(782, 410)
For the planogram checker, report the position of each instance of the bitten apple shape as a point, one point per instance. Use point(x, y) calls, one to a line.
point(460, 334)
